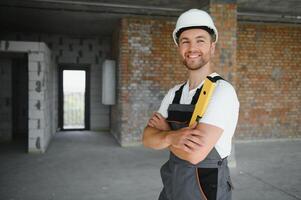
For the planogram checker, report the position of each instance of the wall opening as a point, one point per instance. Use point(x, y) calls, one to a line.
point(14, 98)
point(74, 99)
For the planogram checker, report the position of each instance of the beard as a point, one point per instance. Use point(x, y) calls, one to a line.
point(195, 64)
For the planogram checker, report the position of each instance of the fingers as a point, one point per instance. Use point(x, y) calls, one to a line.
point(189, 141)
point(187, 149)
point(151, 123)
point(155, 120)
point(194, 125)
point(158, 121)
point(158, 116)
point(193, 144)
point(195, 139)
point(190, 147)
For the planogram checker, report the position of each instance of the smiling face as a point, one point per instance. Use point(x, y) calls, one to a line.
point(196, 48)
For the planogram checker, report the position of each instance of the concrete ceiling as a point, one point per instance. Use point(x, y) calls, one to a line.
point(284, 7)
point(100, 17)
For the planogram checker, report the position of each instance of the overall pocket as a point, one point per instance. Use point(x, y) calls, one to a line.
point(208, 179)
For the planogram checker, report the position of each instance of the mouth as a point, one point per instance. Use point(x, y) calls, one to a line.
point(192, 55)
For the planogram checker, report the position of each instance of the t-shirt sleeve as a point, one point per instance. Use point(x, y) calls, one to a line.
point(223, 107)
point(165, 103)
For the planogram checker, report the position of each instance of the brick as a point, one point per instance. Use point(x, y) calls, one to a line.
point(33, 95)
point(35, 144)
point(36, 57)
point(143, 74)
point(35, 76)
point(267, 89)
point(19, 46)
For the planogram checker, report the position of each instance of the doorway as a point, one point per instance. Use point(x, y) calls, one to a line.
point(74, 102)
point(20, 98)
point(14, 98)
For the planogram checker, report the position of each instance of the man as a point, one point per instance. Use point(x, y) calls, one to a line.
point(197, 167)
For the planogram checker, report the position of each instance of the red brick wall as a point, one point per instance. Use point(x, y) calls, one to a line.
point(253, 57)
point(148, 66)
point(269, 84)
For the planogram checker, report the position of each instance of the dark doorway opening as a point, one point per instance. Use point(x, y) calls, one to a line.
point(74, 102)
point(14, 97)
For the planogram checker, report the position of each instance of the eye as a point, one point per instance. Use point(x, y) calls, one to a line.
point(200, 41)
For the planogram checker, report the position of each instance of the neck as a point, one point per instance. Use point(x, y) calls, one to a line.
point(197, 76)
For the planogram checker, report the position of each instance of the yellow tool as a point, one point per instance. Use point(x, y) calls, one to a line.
point(203, 100)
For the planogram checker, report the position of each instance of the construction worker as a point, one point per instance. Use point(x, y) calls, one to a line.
point(197, 167)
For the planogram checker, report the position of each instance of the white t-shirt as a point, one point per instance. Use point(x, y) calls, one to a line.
point(222, 110)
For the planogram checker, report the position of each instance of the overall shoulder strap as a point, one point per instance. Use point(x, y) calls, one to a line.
point(196, 96)
point(215, 78)
point(178, 94)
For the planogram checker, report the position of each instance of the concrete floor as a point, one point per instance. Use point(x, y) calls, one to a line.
point(91, 165)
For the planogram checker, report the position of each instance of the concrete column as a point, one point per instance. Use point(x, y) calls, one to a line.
point(36, 99)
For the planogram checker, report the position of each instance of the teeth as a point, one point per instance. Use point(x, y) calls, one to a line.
point(193, 56)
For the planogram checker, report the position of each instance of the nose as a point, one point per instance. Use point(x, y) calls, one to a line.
point(192, 46)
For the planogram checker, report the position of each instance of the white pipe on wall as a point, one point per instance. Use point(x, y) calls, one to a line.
point(111, 5)
point(108, 82)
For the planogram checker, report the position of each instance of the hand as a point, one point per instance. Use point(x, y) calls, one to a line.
point(187, 139)
point(159, 122)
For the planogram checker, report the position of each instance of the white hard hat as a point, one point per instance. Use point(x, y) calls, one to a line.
point(194, 18)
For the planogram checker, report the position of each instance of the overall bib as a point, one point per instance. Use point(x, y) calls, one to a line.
point(207, 180)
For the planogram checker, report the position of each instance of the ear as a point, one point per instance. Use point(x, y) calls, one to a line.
point(212, 48)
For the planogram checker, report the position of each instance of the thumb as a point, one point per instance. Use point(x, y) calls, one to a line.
point(194, 125)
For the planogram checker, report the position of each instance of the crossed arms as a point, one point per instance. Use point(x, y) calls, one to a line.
point(192, 144)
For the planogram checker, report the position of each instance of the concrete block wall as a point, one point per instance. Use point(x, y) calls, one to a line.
point(5, 99)
point(36, 97)
point(40, 81)
point(269, 87)
point(41, 96)
point(81, 51)
point(87, 52)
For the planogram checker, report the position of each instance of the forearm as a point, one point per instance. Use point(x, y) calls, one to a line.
point(192, 153)
point(208, 136)
point(179, 153)
point(154, 138)
point(193, 158)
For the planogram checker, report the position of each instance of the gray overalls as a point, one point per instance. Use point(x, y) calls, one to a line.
point(207, 180)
